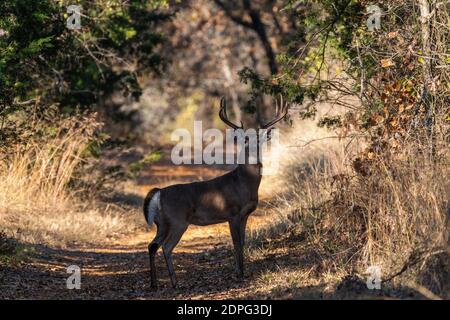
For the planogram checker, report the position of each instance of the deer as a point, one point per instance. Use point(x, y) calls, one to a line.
point(230, 198)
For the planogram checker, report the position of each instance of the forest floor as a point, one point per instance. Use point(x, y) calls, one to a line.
point(204, 262)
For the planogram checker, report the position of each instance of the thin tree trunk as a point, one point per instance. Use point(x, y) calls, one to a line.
point(229, 83)
point(426, 42)
point(427, 72)
point(256, 25)
point(260, 30)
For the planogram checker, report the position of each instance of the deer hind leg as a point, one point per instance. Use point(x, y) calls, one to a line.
point(152, 249)
point(168, 245)
point(235, 229)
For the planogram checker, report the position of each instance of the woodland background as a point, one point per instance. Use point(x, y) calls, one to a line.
point(86, 117)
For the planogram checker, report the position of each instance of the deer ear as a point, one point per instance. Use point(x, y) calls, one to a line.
point(269, 134)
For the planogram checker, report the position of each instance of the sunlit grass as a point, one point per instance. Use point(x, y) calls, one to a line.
point(36, 203)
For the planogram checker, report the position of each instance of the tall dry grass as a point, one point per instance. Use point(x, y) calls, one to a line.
point(36, 175)
point(37, 204)
point(389, 213)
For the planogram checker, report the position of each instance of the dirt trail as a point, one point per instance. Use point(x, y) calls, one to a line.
point(119, 270)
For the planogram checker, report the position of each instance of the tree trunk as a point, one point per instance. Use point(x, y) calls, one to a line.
point(260, 30)
point(229, 83)
point(426, 42)
point(427, 72)
point(256, 25)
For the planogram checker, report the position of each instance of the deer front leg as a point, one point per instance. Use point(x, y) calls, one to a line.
point(235, 229)
point(243, 225)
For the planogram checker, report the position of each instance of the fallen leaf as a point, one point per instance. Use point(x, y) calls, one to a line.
point(386, 63)
point(392, 34)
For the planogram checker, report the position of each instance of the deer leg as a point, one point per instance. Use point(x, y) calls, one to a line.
point(235, 228)
point(243, 225)
point(168, 245)
point(152, 249)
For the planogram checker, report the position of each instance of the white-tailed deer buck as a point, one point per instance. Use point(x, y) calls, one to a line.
point(229, 198)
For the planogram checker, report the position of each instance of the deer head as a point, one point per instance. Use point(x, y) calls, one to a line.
point(263, 133)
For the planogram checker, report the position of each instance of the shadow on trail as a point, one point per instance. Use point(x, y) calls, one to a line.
point(121, 272)
point(123, 199)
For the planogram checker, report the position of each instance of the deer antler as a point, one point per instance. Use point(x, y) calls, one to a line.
point(224, 117)
point(281, 111)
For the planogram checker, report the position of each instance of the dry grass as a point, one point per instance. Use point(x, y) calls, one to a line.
point(36, 203)
point(393, 216)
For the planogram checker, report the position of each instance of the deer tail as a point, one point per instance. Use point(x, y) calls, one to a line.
point(152, 205)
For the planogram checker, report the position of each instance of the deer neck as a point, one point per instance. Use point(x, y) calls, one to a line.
point(251, 171)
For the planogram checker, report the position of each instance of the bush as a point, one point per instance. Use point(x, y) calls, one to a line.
point(395, 216)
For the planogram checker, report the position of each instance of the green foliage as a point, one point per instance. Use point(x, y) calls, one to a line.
point(330, 122)
point(260, 85)
point(154, 156)
point(45, 63)
point(94, 147)
point(325, 25)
